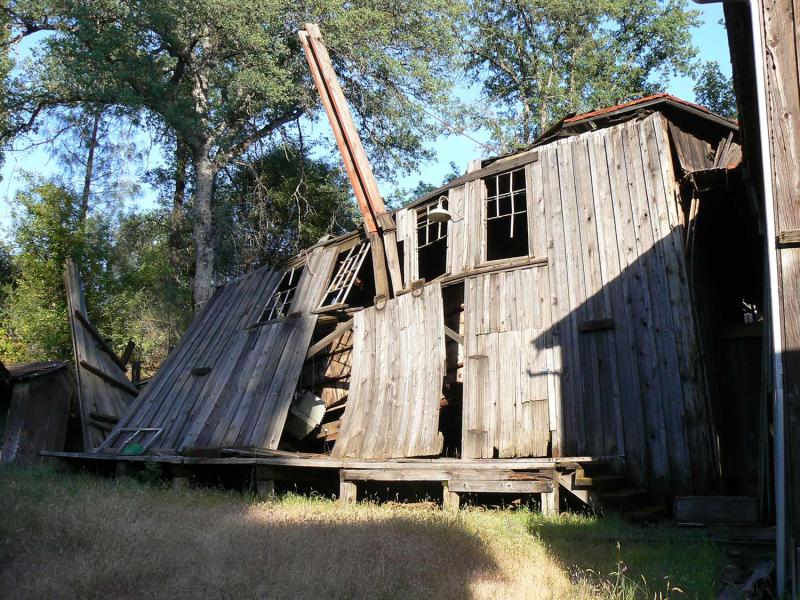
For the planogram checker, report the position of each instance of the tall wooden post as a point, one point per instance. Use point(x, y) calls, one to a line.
point(377, 222)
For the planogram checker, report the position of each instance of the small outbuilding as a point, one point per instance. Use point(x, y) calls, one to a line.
point(35, 400)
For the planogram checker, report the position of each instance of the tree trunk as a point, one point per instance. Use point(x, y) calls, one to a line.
point(88, 174)
point(205, 172)
point(182, 158)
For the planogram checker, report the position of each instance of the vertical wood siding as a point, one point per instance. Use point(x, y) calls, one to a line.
point(613, 240)
point(396, 379)
point(506, 392)
point(244, 399)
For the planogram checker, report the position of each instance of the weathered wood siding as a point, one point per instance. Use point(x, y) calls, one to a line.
point(396, 379)
point(37, 415)
point(252, 371)
point(508, 363)
point(780, 57)
point(103, 386)
point(631, 375)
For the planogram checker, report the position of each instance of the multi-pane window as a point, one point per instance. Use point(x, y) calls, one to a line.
point(281, 299)
point(431, 242)
point(506, 215)
point(349, 264)
point(429, 232)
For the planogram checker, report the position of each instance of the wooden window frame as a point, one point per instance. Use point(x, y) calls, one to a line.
point(344, 276)
point(513, 195)
point(281, 300)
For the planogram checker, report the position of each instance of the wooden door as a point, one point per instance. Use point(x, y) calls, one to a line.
point(508, 385)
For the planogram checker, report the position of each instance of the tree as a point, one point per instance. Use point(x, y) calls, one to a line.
point(715, 91)
point(5, 69)
point(47, 230)
point(279, 204)
point(539, 60)
point(221, 75)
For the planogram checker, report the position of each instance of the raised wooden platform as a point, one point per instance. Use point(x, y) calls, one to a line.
point(457, 476)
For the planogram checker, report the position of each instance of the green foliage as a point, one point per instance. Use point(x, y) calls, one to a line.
point(273, 207)
point(47, 230)
point(541, 59)
point(131, 290)
point(715, 91)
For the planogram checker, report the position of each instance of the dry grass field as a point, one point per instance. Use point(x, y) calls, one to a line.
point(82, 536)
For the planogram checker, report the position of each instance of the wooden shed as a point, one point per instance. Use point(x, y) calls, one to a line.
point(565, 314)
point(35, 402)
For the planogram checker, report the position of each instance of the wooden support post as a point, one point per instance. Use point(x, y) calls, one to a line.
point(450, 500)
point(180, 478)
point(265, 488)
point(265, 481)
point(348, 492)
point(122, 469)
point(551, 502)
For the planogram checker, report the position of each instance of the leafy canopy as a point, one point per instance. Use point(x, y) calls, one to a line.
point(223, 74)
point(541, 59)
point(715, 91)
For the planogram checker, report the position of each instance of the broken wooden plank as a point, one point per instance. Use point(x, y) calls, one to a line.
point(118, 383)
point(453, 335)
point(329, 339)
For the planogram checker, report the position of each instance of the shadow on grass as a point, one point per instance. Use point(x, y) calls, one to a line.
point(611, 553)
point(85, 537)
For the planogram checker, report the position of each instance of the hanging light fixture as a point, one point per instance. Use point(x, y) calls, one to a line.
point(439, 213)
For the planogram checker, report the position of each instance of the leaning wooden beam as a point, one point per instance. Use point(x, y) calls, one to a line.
point(453, 335)
point(99, 338)
point(329, 339)
point(123, 385)
point(357, 165)
point(126, 355)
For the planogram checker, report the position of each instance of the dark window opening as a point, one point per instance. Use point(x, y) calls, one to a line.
point(281, 300)
point(353, 282)
point(431, 244)
point(506, 215)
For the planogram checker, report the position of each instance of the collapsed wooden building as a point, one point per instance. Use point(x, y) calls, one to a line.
point(582, 302)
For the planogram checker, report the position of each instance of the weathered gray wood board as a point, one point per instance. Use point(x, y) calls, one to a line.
point(506, 398)
point(613, 240)
point(780, 60)
point(38, 411)
point(103, 386)
point(396, 379)
point(229, 383)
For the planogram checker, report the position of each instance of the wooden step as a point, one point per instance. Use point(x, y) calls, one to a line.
point(599, 482)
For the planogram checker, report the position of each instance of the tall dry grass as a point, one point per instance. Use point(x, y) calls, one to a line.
point(78, 536)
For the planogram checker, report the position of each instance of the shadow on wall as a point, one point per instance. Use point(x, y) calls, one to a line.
point(631, 359)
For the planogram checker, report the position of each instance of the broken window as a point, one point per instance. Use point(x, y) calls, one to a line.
point(506, 215)
point(348, 266)
point(281, 299)
point(431, 243)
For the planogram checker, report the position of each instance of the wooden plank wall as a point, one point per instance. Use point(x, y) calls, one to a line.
point(228, 382)
point(631, 377)
point(102, 384)
point(315, 279)
point(780, 22)
point(508, 359)
point(37, 416)
point(398, 365)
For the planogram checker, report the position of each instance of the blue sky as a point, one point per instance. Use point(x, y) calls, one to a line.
point(710, 38)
